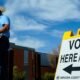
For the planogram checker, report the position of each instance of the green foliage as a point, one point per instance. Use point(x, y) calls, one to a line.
point(52, 60)
point(48, 76)
point(18, 75)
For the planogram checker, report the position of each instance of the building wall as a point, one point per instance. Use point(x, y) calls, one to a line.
point(36, 65)
point(30, 65)
point(45, 69)
point(47, 65)
point(18, 58)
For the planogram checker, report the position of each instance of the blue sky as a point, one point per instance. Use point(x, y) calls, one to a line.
point(40, 24)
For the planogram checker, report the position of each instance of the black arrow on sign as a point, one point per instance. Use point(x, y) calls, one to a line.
point(70, 68)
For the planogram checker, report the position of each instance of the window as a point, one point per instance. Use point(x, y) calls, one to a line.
point(25, 56)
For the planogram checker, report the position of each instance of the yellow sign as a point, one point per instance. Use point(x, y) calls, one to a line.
point(68, 67)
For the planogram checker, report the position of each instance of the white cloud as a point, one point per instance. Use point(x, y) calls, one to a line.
point(44, 9)
point(58, 10)
point(56, 33)
point(55, 10)
point(12, 33)
point(28, 42)
point(20, 23)
point(14, 39)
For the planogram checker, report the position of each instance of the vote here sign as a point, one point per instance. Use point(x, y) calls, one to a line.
point(68, 67)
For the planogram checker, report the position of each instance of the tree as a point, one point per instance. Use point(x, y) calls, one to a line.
point(18, 75)
point(48, 76)
point(52, 57)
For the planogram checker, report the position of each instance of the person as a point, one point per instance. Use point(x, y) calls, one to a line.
point(4, 44)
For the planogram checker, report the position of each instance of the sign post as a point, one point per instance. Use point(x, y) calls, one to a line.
point(68, 67)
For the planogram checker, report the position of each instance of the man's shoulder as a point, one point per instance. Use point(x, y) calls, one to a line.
point(4, 16)
point(5, 19)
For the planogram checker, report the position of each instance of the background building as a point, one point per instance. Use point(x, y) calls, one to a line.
point(35, 64)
